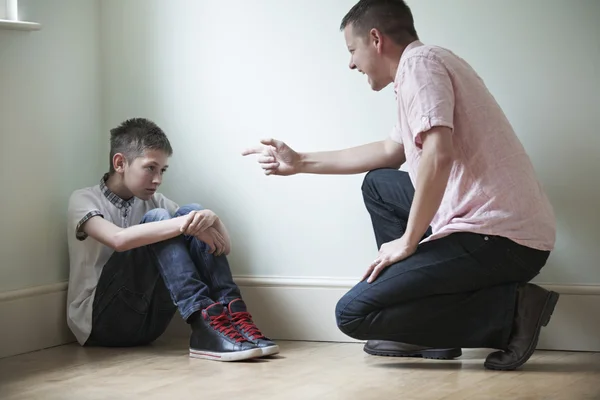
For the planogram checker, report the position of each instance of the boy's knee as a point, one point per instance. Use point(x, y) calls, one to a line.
point(156, 214)
point(188, 208)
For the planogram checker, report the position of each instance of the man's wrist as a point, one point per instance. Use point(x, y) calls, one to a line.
point(411, 238)
point(303, 161)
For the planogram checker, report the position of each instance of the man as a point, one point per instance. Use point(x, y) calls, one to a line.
point(455, 255)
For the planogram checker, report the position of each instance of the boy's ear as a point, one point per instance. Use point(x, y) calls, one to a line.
point(119, 162)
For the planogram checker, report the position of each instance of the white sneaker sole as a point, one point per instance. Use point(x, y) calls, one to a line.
point(226, 356)
point(269, 351)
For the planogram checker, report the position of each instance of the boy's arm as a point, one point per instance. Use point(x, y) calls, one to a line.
point(123, 239)
point(220, 227)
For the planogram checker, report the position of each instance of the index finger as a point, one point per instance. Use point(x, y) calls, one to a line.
point(253, 150)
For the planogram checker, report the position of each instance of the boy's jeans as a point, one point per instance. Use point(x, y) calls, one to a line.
point(139, 290)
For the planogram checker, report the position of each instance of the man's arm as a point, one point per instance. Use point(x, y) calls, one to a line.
point(355, 160)
point(433, 173)
point(123, 239)
point(277, 158)
point(432, 177)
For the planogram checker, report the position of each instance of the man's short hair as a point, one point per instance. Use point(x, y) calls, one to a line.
point(393, 18)
point(134, 136)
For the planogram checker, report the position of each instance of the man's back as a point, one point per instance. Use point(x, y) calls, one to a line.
point(492, 188)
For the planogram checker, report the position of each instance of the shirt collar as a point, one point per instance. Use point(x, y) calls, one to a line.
point(113, 198)
point(408, 48)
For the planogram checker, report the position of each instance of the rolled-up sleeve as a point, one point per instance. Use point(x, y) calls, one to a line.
point(426, 95)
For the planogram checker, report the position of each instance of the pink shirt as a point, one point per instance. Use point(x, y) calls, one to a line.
point(493, 188)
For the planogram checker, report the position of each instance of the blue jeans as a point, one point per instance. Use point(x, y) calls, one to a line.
point(456, 291)
point(140, 290)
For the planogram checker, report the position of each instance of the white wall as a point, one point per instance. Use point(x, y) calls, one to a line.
point(217, 76)
point(49, 135)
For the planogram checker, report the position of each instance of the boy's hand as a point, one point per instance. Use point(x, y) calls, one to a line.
point(213, 239)
point(198, 221)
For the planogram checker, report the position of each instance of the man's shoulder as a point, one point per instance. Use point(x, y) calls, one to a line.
point(418, 51)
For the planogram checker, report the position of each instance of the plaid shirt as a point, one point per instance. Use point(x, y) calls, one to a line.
point(124, 205)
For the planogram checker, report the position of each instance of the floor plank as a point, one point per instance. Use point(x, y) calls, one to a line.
point(303, 370)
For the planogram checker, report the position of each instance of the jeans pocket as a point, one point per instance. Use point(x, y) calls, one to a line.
point(121, 322)
point(527, 260)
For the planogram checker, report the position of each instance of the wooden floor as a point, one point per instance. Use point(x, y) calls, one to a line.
point(303, 370)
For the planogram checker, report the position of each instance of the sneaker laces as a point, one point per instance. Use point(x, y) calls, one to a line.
point(221, 323)
point(243, 320)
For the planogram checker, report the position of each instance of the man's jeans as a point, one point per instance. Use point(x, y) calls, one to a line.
point(456, 291)
point(140, 290)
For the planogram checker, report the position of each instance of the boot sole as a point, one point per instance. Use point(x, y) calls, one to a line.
point(226, 356)
point(543, 321)
point(432, 354)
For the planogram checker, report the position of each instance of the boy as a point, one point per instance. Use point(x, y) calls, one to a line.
point(136, 258)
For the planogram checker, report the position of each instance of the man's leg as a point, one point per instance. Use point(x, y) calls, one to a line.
point(388, 195)
point(215, 270)
point(460, 290)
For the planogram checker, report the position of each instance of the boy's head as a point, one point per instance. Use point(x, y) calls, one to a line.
point(375, 32)
point(139, 152)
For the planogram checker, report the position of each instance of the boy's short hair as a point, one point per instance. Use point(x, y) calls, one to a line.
point(134, 136)
point(391, 17)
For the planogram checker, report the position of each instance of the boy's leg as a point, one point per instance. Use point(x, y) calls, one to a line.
point(216, 271)
point(213, 336)
point(131, 306)
point(153, 278)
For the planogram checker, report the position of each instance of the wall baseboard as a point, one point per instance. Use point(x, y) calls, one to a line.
point(285, 308)
point(33, 319)
point(299, 308)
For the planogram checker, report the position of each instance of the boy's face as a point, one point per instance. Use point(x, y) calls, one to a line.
point(143, 175)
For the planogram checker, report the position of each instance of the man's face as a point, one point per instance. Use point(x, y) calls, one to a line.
point(366, 57)
point(143, 175)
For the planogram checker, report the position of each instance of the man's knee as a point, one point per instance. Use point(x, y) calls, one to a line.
point(374, 179)
point(347, 318)
point(156, 214)
point(371, 178)
point(188, 208)
point(382, 176)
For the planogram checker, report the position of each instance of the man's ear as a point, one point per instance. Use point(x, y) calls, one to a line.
point(376, 39)
point(119, 162)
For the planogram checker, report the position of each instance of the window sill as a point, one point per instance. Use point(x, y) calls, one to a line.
point(19, 25)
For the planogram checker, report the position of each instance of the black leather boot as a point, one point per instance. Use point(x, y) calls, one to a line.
point(533, 310)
